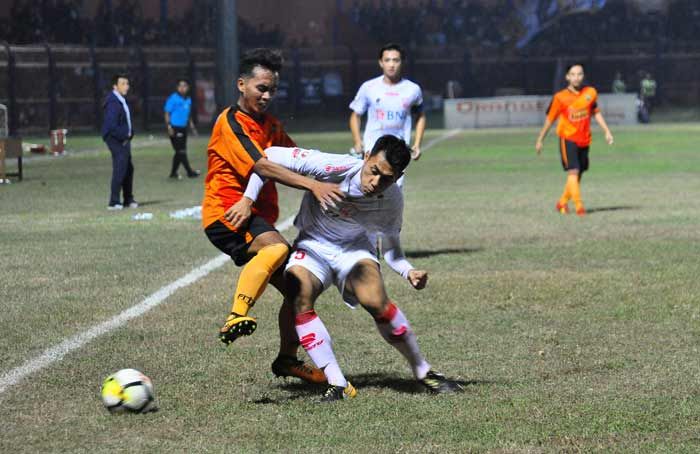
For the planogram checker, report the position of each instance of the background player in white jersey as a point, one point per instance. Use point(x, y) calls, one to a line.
point(390, 102)
point(333, 247)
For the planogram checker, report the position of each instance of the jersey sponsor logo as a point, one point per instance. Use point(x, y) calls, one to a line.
point(391, 93)
point(299, 153)
point(309, 341)
point(329, 168)
point(390, 115)
point(578, 114)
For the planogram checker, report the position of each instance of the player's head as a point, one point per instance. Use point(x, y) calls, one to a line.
point(183, 87)
point(575, 75)
point(391, 57)
point(120, 83)
point(384, 164)
point(257, 82)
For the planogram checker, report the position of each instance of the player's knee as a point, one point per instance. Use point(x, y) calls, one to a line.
point(274, 255)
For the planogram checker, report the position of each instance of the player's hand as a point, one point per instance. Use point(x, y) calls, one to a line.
point(415, 153)
point(609, 138)
point(171, 131)
point(359, 149)
point(239, 213)
point(327, 194)
point(418, 279)
point(538, 146)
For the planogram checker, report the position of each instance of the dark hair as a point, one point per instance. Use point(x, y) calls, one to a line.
point(116, 77)
point(391, 46)
point(182, 79)
point(397, 153)
point(270, 59)
point(568, 67)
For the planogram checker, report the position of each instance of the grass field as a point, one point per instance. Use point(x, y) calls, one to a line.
point(571, 334)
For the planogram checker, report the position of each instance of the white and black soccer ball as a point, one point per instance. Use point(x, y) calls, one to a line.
point(128, 391)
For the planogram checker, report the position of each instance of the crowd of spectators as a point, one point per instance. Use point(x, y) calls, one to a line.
point(120, 23)
point(486, 27)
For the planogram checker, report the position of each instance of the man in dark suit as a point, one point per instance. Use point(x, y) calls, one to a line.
point(117, 134)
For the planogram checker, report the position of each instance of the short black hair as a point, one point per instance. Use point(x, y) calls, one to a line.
point(568, 67)
point(396, 151)
point(270, 59)
point(116, 77)
point(182, 79)
point(391, 46)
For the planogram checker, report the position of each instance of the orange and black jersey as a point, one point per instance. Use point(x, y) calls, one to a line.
point(237, 142)
point(574, 111)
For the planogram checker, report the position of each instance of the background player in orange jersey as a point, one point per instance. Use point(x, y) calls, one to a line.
point(236, 149)
point(573, 106)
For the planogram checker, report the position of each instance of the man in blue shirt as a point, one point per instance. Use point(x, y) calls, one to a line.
point(117, 134)
point(177, 117)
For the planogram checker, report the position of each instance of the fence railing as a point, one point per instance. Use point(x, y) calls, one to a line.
point(56, 86)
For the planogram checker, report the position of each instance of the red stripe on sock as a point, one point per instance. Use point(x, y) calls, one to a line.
point(389, 314)
point(305, 317)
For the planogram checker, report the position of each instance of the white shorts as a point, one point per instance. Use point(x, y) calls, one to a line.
point(330, 263)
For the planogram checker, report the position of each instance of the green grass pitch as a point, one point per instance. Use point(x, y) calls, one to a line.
point(572, 334)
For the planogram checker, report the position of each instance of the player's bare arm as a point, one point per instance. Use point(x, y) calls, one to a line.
point(542, 135)
point(171, 132)
point(604, 126)
point(421, 122)
point(355, 122)
point(327, 194)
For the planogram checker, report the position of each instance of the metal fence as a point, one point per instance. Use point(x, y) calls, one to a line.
point(53, 86)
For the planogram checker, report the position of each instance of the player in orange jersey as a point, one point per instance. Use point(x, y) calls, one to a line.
point(573, 106)
point(236, 149)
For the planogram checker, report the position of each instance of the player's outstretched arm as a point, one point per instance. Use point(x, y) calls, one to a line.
point(604, 126)
point(397, 261)
point(543, 133)
point(355, 122)
point(420, 131)
point(326, 193)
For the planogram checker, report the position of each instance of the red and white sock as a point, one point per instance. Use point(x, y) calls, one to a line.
point(395, 329)
point(315, 339)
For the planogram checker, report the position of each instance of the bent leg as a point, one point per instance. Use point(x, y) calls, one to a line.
point(303, 288)
point(365, 284)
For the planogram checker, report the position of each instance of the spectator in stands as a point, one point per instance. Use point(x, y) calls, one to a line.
point(117, 133)
point(618, 85)
point(177, 117)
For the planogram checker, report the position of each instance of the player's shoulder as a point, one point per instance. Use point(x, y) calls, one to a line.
point(408, 83)
point(589, 90)
point(372, 83)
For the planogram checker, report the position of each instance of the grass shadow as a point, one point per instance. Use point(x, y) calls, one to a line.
point(301, 390)
point(430, 253)
point(153, 202)
point(613, 208)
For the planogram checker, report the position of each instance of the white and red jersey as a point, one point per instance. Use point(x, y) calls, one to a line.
point(354, 220)
point(388, 108)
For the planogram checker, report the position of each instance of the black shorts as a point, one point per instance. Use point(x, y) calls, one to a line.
point(573, 157)
point(179, 138)
point(236, 244)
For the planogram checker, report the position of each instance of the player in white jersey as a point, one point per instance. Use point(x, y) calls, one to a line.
point(390, 102)
point(334, 247)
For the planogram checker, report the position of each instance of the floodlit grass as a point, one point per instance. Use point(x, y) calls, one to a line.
point(571, 334)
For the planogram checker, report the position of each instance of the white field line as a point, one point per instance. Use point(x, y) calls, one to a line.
point(57, 352)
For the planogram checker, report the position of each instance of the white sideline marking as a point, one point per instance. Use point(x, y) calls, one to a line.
point(57, 352)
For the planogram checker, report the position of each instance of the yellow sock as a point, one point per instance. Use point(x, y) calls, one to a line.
point(255, 276)
point(575, 190)
point(565, 196)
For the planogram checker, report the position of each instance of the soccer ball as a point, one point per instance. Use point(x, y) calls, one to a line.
point(128, 391)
